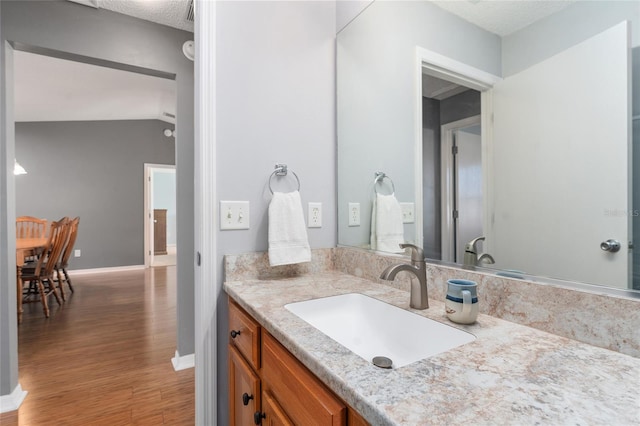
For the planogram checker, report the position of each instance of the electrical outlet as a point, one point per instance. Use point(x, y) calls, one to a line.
point(354, 214)
point(234, 215)
point(77, 253)
point(408, 212)
point(315, 215)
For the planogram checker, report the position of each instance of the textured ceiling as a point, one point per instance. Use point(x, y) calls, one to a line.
point(503, 17)
point(172, 13)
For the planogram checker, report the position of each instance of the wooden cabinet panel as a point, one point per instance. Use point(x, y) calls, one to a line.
point(355, 419)
point(305, 399)
point(244, 387)
point(274, 414)
point(244, 334)
point(160, 231)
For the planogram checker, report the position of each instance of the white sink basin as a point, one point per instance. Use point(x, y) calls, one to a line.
point(372, 328)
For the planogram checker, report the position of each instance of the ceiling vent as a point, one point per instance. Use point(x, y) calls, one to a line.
point(190, 11)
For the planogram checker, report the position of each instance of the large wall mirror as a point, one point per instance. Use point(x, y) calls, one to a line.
point(456, 125)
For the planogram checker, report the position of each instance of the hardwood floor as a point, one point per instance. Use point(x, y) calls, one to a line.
point(103, 357)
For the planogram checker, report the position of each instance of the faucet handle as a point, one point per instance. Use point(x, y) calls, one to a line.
point(417, 254)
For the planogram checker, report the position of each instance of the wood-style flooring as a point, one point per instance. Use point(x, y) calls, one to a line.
point(104, 356)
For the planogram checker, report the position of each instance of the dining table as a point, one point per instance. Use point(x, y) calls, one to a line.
point(25, 248)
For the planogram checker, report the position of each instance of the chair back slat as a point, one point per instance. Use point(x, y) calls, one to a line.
point(58, 236)
point(73, 233)
point(30, 227)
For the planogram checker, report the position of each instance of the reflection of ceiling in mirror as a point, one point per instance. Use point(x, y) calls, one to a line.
point(437, 88)
point(503, 17)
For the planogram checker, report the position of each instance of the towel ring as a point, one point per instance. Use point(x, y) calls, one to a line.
point(282, 170)
point(379, 177)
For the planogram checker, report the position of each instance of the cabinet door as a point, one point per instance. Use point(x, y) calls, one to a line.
point(304, 398)
point(274, 414)
point(244, 334)
point(244, 390)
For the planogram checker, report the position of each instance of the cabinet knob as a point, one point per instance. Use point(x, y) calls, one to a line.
point(258, 416)
point(246, 398)
point(235, 333)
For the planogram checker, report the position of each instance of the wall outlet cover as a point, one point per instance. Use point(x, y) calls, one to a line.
point(314, 219)
point(408, 212)
point(354, 214)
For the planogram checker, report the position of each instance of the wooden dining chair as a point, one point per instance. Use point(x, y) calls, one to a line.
point(30, 227)
point(39, 274)
point(61, 267)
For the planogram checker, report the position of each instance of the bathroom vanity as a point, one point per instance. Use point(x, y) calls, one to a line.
point(511, 374)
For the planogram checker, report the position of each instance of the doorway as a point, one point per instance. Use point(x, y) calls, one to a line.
point(462, 201)
point(160, 215)
point(452, 180)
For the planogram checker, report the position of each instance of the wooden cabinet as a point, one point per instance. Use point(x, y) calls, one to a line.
point(244, 389)
point(266, 378)
point(160, 231)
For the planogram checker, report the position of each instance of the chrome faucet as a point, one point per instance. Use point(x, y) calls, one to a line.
point(419, 298)
point(471, 257)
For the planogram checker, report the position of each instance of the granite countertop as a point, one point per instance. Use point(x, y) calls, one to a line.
point(511, 374)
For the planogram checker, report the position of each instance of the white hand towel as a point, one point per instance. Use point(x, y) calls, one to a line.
point(387, 230)
point(288, 242)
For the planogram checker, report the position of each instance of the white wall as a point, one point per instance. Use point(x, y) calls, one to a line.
point(564, 29)
point(275, 82)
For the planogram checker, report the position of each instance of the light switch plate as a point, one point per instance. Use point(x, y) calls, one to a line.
point(234, 215)
point(354, 214)
point(408, 212)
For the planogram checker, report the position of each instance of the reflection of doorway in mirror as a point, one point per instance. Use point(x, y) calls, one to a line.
point(452, 183)
point(463, 200)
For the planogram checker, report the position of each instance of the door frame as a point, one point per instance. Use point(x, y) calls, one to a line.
point(447, 184)
point(149, 237)
point(449, 69)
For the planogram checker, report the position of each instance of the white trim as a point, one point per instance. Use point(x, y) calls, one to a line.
point(447, 190)
point(449, 69)
point(12, 401)
point(106, 270)
point(183, 362)
point(458, 72)
point(208, 285)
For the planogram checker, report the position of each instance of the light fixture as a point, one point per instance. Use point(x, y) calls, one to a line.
point(18, 169)
point(168, 133)
point(189, 49)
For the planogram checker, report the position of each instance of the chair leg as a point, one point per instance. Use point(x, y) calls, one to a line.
point(60, 286)
point(67, 279)
point(53, 289)
point(43, 298)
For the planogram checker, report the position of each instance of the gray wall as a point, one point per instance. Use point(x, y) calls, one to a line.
point(95, 170)
point(97, 33)
point(431, 182)
point(275, 65)
point(460, 106)
point(377, 93)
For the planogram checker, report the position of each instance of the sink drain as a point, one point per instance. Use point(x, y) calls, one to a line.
point(382, 362)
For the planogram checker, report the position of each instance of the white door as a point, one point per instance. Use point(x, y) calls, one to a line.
point(561, 170)
point(468, 169)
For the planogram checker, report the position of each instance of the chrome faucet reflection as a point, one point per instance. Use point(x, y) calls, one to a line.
point(419, 298)
point(471, 257)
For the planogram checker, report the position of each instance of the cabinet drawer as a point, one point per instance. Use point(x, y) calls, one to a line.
point(244, 390)
point(304, 398)
point(244, 334)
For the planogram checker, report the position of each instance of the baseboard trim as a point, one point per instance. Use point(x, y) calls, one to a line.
point(12, 401)
point(103, 270)
point(183, 362)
